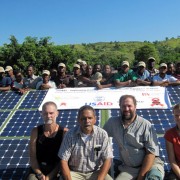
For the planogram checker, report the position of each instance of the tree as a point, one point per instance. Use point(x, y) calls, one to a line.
point(146, 51)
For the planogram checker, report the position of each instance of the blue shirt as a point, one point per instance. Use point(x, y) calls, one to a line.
point(5, 82)
point(144, 76)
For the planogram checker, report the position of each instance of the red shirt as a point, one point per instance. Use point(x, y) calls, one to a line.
point(172, 136)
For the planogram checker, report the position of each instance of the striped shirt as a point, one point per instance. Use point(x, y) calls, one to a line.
point(85, 156)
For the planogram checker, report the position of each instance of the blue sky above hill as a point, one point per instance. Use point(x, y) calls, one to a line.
point(89, 21)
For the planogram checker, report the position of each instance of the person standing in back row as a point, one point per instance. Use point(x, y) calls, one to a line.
point(137, 142)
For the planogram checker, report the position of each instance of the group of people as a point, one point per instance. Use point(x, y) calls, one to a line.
point(86, 75)
point(85, 151)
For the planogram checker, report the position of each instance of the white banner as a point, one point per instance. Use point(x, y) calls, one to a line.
point(147, 97)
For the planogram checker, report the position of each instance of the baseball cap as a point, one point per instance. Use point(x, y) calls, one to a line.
point(79, 60)
point(141, 63)
point(46, 72)
point(61, 65)
point(76, 66)
point(163, 65)
point(151, 58)
point(1, 69)
point(83, 63)
point(8, 68)
point(125, 63)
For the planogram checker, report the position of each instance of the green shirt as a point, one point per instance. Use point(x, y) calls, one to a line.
point(123, 77)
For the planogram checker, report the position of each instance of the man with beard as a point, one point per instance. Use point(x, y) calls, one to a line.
point(137, 142)
point(45, 142)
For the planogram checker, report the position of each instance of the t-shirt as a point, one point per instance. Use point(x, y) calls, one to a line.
point(50, 83)
point(173, 137)
point(47, 148)
point(144, 76)
point(5, 82)
point(123, 77)
point(166, 78)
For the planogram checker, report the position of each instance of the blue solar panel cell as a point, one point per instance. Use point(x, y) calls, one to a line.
point(8, 100)
point(3, 116)
point(22, 122)
point(23, 119)
point(174, 94)
point(33, 99)
point(14, 160)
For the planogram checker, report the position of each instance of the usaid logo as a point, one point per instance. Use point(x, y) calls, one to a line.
point(99, 98)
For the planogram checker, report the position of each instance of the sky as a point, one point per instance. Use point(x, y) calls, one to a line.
point(89, 21)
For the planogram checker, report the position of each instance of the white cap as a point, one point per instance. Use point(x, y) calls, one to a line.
point(61, 65)
point(8, 68)
point(125, 63)
point(163, 65)
point(46, 72)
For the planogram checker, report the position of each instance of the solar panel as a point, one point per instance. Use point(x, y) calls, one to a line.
point(21, 113)
point(174, 94)
point(9, 99)
point(3, 116)
point(33, 99)
point(22, 122)
point(163, 153)
point(14, 158)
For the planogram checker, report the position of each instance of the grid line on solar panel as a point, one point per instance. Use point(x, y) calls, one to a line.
point(174, 94)
point(14, 158)
point(9, 99)
point(23, 121)
point(3, 117)
point(33, 99)
point(160, 119)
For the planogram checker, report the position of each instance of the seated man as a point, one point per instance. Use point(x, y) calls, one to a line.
point(125, 76)
point(45, 142)
point(5, 82)
point(162, 79)
point(85, 152)
point(137, 142)
point(46, 83)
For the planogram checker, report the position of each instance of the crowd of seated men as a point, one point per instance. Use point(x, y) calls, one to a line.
point(88, 75)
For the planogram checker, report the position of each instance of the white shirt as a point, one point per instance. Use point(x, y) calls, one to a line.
point(50, 83)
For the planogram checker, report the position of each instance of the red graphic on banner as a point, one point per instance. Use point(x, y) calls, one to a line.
point(155, 101)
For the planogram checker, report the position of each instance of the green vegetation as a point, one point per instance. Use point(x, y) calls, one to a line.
point(44, 54)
